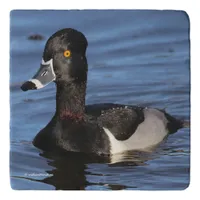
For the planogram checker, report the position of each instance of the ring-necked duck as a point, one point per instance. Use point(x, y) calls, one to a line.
point(100, 129)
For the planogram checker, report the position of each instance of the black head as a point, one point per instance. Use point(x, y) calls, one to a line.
point(64, 59)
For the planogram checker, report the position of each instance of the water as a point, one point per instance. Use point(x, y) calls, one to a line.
point(135, 57)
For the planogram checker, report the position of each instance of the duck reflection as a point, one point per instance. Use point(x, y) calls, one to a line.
point(70, 169)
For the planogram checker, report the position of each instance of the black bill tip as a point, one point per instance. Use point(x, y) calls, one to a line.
point(28, 86)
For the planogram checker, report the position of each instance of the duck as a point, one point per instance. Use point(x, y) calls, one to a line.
point(100, 129)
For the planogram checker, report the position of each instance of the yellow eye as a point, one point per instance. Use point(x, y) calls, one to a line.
point(67, 53)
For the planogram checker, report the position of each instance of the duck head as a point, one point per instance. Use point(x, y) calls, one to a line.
point(63, 60)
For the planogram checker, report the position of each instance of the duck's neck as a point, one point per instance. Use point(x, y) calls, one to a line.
point(70, 100)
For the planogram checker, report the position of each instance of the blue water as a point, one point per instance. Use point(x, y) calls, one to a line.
point(135, 57)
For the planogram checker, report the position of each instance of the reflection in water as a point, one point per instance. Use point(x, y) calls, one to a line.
point(133, 158)
point(70, 169)
point(77, 171)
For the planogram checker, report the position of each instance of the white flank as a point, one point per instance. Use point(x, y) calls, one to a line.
point(150, 132)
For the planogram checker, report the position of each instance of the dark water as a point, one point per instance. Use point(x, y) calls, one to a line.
point(135, 57)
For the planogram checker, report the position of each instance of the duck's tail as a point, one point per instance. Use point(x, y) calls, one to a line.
point(186, 124)
point(174, 124)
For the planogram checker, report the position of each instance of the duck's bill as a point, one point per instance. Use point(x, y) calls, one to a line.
point(43, 77)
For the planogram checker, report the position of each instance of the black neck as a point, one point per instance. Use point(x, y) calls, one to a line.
point(70, 100)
